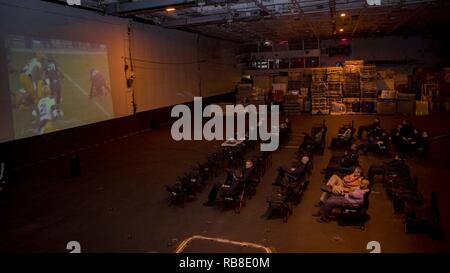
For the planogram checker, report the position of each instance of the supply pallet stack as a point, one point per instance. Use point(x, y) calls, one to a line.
point(351, 86)
point(318, 92)
point(368, 85)
point(295, 80)
point(368, 81)
point(355, 63)
point(244, 91)
point(334, 85)
point(257, 97)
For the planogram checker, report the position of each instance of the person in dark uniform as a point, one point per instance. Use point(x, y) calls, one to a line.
point(348, 160)
point(235, 186)
point(297, 170)
point(367, 128)
point(54, 77)
point(395, 134)
point(377, 139)
point(407, 129)
point(422, 143)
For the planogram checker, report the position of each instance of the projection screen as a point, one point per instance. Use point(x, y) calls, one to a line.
point(56, 84)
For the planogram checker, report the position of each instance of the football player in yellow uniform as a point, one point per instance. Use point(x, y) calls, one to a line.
point(29, 79)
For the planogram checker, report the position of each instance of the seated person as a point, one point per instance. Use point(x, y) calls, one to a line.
point(314, 140)
point(239, 182)
point(370, 127)
point(383, 140)
point(406, 129)
point(376, 130)
point(377, 139)
point(408, 142)
point(339, 186)
point(354, 196)
point(285, 129)
point(348, 160)
point(344, 137)
point(353, 152)
point(318, 137)
point(422, 142)
point(179, 189)
point(395, 134)
point(395, 165)
point(296, 171)
point(416, 138)
point(286, 125)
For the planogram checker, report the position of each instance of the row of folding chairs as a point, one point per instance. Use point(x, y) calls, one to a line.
point(188, 185)
point(262, 161)
point(288, 188)
point(420, 216)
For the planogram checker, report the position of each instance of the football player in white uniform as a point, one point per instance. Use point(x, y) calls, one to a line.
point(46, 112)
point(30, 75)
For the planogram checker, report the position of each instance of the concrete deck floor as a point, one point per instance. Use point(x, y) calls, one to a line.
point(119, 203)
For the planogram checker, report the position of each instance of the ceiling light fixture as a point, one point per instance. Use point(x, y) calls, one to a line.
point(341, 30)
point(170, 9)
point(343, 14)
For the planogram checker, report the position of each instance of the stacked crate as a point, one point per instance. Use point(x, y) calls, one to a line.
point(368, 81)
point(319, 102)
point(244, 92)
point(355, 63)
point(306, 77)
point(299, 80)
point(295, 80)
point(368, 85)
point(334, 85)
point(351, 89)
point(257, 97)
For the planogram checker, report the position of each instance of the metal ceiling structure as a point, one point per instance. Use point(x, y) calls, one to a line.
point(280, 20)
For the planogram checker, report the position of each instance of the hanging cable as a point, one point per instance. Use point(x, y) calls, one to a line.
point(130, 78)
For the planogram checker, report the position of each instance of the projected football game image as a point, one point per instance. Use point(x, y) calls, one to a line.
point(56, 84)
